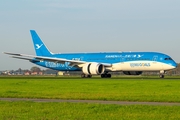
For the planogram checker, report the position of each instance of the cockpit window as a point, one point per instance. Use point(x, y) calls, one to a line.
point(168, 59)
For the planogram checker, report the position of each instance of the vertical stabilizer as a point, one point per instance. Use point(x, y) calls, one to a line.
point(39, 46)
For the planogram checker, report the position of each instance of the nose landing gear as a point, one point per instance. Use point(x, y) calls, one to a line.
point(161, 75)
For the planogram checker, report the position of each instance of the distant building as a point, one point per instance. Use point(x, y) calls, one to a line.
point(27, 73)
point(37, 73)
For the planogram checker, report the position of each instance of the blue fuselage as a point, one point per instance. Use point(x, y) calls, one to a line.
point(134, 59)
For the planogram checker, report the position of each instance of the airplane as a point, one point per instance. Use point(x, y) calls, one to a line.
point(99, 63)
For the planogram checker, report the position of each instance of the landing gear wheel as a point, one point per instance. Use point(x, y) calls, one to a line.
point(161, 76)
point(89, 76)
point(102, 75)
point(83, 75)
point(109, 75)
point(86, 76)
point(105, 75)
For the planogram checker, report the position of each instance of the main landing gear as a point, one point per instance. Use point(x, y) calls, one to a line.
point(85, 76)
point(105, 75)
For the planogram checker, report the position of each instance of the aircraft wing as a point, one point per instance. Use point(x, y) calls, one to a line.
point(52, 59)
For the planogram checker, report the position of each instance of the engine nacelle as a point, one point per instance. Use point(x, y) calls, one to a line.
point(93, 68)
point(132, 72)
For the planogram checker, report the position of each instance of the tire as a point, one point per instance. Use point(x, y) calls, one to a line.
point(82, 75)
point(161, 76)
point(109, 75)
point(102, 76)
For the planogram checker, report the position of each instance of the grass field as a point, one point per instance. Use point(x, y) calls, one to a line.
point(121, 89)
point(85, 111)
point(117, 88)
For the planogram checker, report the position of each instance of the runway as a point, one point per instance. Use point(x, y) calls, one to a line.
point(92, 101)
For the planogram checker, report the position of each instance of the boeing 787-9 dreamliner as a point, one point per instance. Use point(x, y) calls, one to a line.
point(100, 63)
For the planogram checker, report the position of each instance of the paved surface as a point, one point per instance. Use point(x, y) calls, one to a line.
point(92, 101)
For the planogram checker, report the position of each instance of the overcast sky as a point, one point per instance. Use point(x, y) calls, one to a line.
point(89, 26)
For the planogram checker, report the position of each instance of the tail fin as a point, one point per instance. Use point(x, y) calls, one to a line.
point(39, 46)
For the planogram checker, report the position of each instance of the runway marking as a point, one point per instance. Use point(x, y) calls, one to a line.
point(92, 101)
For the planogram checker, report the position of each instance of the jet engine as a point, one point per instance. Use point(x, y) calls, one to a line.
point(93, 68)
point(132, 72)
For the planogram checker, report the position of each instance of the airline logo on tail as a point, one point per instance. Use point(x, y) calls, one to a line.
point(38, 46)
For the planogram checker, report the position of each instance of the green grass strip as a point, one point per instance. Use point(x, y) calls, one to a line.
point(117, 88)
point(85, 111)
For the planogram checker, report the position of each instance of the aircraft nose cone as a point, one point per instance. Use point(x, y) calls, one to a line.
point(174, 64)
point(170, 65)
